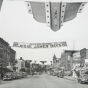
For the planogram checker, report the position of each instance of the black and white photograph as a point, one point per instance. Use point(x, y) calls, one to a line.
point(43, 43)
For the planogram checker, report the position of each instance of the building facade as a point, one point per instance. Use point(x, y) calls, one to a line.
point(20, 65)
point(66, 59)
point(76, 58)
point(7, 54)
point(56, 62)
point(83, 55)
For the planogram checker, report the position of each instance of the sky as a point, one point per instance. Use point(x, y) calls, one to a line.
point(17, 25)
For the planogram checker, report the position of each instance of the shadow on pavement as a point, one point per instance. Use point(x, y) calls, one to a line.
point(70, 79)
point(34, 76)
point(85, 83)
point(5, 82)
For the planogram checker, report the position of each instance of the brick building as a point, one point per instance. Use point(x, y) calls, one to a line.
point(76, 57)
point(83, 55)
point(66, 59)
point(7, 54)
point(20, 65)
point(56, 62)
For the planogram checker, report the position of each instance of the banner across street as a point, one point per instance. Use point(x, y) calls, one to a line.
point(39, 45)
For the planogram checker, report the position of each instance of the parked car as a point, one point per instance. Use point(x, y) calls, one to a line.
point(8, 76)
point(60, 74)
point(68, 73)
point(83, 78)
point(24, 74)
point(34, 73)
point(14, 75)
point(18, 75)
point(21, 75)
point(54, 73)
point(40, 73)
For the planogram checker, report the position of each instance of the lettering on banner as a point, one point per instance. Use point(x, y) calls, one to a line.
point(39, 45)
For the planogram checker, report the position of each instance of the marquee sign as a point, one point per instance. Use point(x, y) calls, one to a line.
point(39, 45)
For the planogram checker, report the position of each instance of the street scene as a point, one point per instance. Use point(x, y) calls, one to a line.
point(35, 55)
point(43, 81)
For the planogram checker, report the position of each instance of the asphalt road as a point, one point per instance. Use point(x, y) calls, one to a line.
point(42, 81)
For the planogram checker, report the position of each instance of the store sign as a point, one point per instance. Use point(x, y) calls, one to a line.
point(39, 45)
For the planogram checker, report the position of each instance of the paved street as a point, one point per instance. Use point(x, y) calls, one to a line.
point(42, 81)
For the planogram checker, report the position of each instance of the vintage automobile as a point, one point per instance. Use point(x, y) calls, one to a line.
point(14, 75)
point(60, 74)
point(83, 78)
point(24, 74)
point(18, 75)
point(8, 76)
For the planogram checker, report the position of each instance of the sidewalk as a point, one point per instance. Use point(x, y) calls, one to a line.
point(70, 78)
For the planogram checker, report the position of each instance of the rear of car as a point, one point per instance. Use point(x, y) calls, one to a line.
point(18, 76)
point(60, 74)
point(14, 75)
